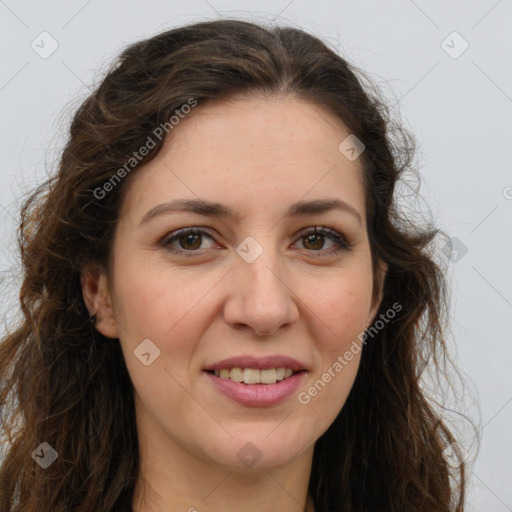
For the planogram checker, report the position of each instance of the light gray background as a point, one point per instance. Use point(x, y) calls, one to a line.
point(460, 110)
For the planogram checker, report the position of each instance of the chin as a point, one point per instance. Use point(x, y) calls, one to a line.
point(246, 453)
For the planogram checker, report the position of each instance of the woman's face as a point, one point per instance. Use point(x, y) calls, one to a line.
point(258, 285)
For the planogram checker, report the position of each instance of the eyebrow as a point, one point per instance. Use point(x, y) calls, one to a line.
point(219, 210)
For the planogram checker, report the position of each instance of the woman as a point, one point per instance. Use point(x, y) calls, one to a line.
point(222, 303)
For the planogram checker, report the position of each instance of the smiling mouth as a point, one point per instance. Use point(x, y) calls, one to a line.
point(254, 375)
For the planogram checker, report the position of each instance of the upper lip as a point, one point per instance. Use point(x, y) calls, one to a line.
point(258, 362)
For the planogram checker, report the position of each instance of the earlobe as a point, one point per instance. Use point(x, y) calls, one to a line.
point(97, 298)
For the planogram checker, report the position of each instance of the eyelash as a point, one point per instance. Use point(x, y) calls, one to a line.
point(339, 240)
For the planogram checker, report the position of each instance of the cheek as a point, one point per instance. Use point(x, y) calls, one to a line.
point(171, 307)
point(168, 311)
point(343, 310)
point(342, 316)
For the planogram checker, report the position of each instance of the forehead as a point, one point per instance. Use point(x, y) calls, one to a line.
point(266, 152)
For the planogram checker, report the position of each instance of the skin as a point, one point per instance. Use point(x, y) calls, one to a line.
point(256, 155)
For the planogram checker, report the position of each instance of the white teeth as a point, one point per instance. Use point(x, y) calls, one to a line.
point(255, 376)
point(236, 374)
point(268, 376)
point(252, 376)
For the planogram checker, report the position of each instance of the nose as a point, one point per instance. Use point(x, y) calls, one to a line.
point(260, 296)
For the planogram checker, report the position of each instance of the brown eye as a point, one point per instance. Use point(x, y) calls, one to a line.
point(189, 240)
point(192, 239)
point(315, 240)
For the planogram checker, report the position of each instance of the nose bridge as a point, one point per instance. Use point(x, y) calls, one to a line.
point(260, 296)
point(260, 268)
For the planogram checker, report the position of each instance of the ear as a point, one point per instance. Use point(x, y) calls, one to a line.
point(97, 298)
point(376, 302)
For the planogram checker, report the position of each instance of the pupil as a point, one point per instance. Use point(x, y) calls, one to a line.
point(313, 236)
point(189, 238)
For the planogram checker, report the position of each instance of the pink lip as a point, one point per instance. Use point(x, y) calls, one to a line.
point(257, 395)
point(259, 363)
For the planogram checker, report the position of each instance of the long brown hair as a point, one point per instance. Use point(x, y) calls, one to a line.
point(63, 383)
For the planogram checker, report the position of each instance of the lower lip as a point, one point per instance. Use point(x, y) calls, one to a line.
point(258, 395)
